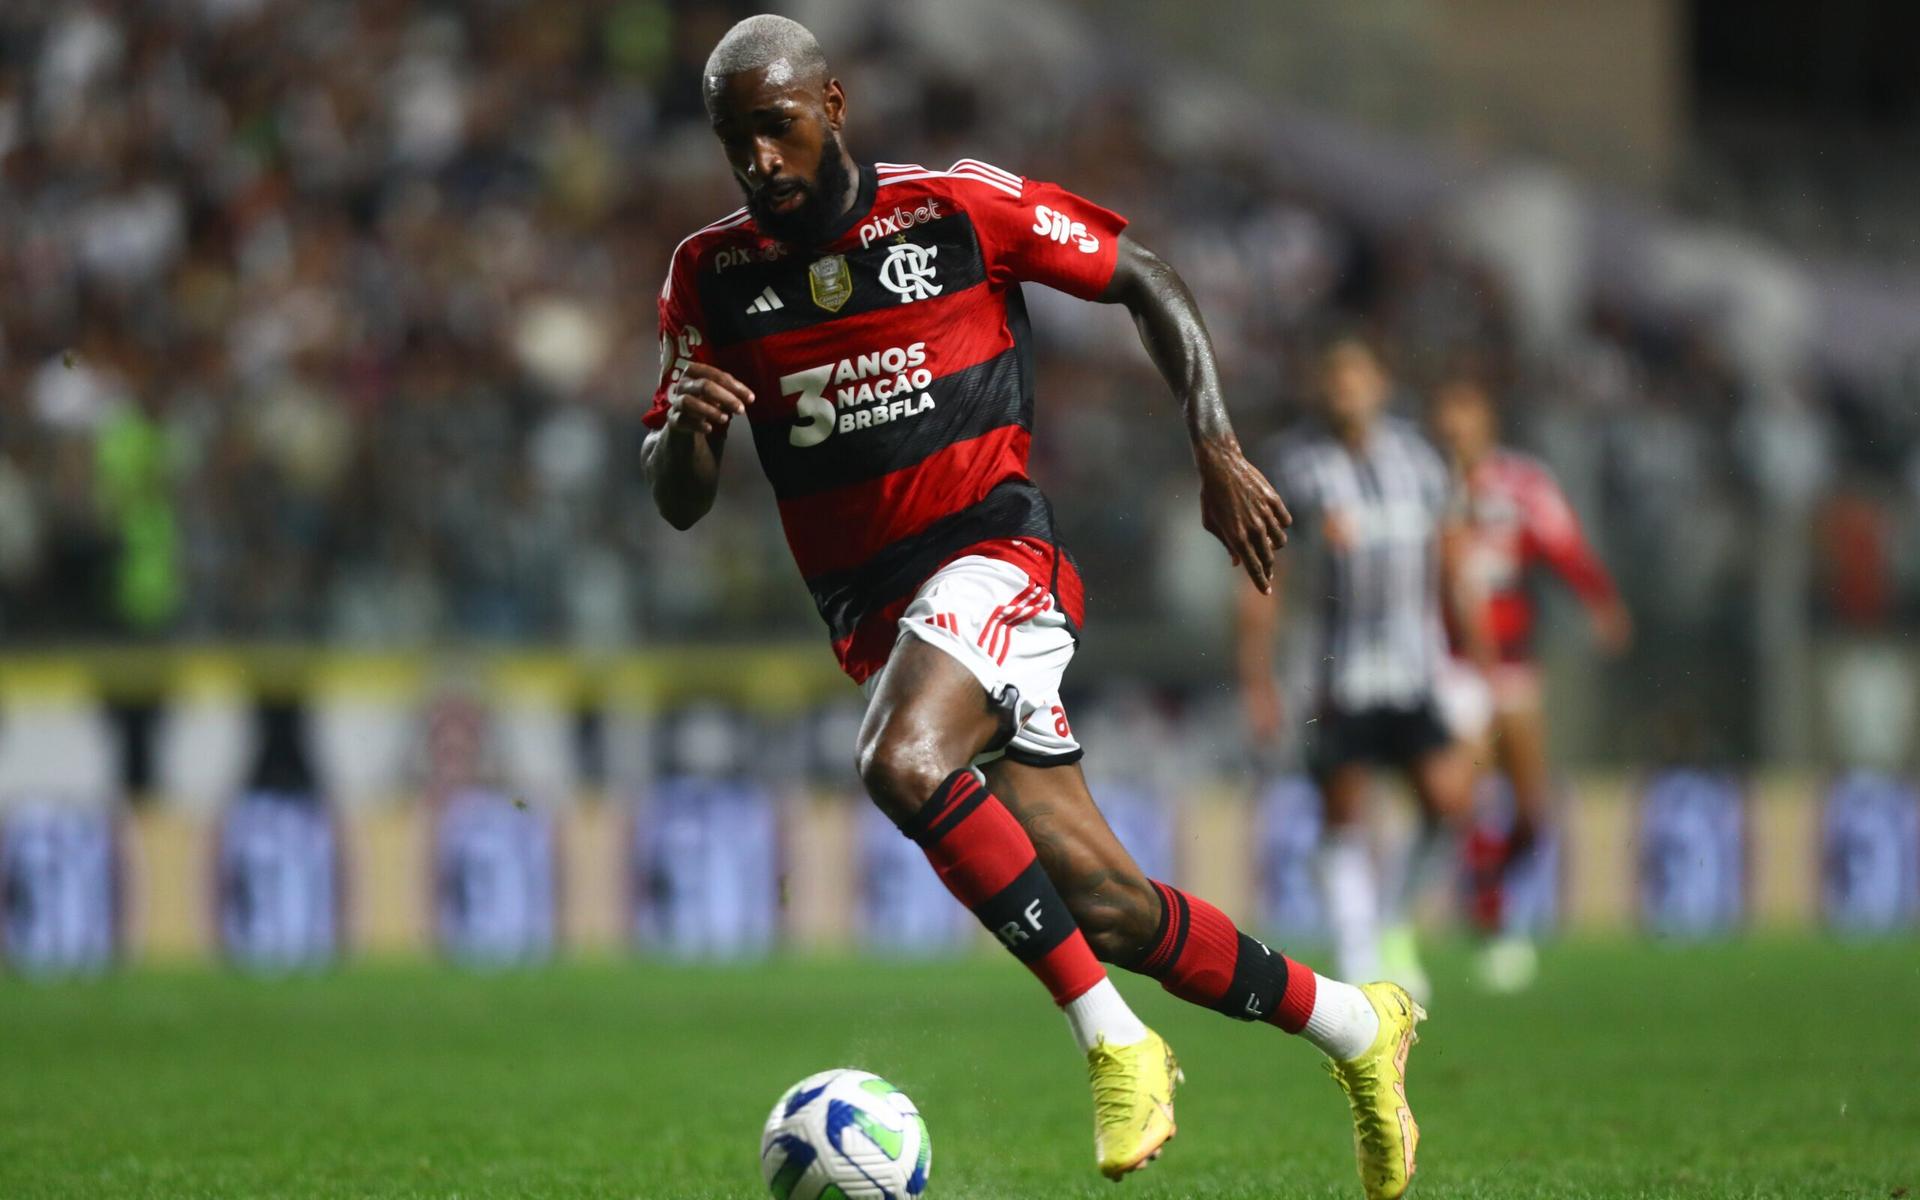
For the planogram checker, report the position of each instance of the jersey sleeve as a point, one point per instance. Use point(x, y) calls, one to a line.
point(1554, 536)
point(1035, 232)
point(681, 342)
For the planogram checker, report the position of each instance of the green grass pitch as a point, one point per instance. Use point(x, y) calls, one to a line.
point(1757, 1069)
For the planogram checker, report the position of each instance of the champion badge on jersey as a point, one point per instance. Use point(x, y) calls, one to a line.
point(830, 282)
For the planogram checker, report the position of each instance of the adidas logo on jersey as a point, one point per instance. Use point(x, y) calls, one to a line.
point(765, 302)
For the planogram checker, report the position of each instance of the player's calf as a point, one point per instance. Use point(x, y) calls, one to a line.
point(928, 718)
point(988, 863)
point(1117, 913)
point(1199, 955)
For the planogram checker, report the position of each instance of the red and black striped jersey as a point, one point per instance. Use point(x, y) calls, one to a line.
point(1516, 518)
point(893, 378)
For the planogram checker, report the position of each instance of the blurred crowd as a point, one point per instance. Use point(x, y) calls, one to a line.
point(335, 318)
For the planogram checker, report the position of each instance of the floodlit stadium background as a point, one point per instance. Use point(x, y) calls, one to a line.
point(326, 327)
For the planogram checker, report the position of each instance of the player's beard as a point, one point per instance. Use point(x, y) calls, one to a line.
point(824, 204)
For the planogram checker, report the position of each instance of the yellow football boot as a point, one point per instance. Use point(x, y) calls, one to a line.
point(1132, 1102)
point(1385, 1134)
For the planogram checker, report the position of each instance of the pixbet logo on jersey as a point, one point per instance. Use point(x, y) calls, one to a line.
point(870, 389)
point(740, 256)
point(900, 220)
point(1052, 223)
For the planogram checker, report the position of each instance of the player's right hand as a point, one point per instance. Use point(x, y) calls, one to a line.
point(705, 399)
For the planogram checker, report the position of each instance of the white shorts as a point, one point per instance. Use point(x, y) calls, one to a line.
point(1466, 701)
point(1005, 629)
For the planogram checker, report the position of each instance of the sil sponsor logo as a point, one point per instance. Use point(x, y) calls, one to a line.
point(1057, 226)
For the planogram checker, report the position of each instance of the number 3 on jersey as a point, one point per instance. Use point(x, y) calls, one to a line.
point(813, 413)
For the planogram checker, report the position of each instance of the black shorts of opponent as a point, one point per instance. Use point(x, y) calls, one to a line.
point(1393, 737)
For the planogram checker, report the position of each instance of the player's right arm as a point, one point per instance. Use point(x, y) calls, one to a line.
point(682, 458)
point(1256, 622)
point(693, 404)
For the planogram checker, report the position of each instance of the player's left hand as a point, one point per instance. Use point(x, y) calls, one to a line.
point(1613, 629)
point(1239, 506)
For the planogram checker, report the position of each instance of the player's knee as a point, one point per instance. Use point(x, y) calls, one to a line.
point(1118, 915)
point(899, 775)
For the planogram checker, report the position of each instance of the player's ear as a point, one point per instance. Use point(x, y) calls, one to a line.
point(834, 102)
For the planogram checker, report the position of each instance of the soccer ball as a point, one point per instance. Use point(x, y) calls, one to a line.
point(845, 1135)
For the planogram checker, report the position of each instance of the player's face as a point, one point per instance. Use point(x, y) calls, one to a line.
point(1463, 419)
point(781, 137)
point(1353, 386)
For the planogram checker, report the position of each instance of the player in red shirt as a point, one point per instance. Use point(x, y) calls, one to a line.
point(1512, 520)
point(866, 324)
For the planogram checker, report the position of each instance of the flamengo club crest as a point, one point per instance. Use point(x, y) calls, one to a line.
point(908, 271)
point(830, 282)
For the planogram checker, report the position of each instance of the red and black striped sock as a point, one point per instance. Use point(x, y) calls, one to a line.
point(1198, 955)
point(987, 861)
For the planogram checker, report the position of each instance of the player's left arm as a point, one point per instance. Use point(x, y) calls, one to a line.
point(1555, 536)
point(1237, 503)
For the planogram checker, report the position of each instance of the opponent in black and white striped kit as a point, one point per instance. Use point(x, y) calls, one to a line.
point(1377, 508)
point(1371, 497)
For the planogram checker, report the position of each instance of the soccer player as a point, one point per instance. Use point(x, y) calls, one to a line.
point(865, 322)
point(1375, 493)
point(1511, 519)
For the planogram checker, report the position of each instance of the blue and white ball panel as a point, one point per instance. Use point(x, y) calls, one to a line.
point(845, 1135)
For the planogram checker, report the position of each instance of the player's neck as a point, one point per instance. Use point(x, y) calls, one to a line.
point(857, 173)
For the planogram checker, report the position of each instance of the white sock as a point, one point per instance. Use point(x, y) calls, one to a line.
point(1352, 899)
point(1343, 1023)
point(1101, 1012)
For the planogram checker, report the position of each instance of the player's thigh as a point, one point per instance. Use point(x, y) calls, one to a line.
point(1343, 791)
point(1521, 733)
point(1342, 747)
point(1102, 884)
point(927, 717)
point(1442, 779)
